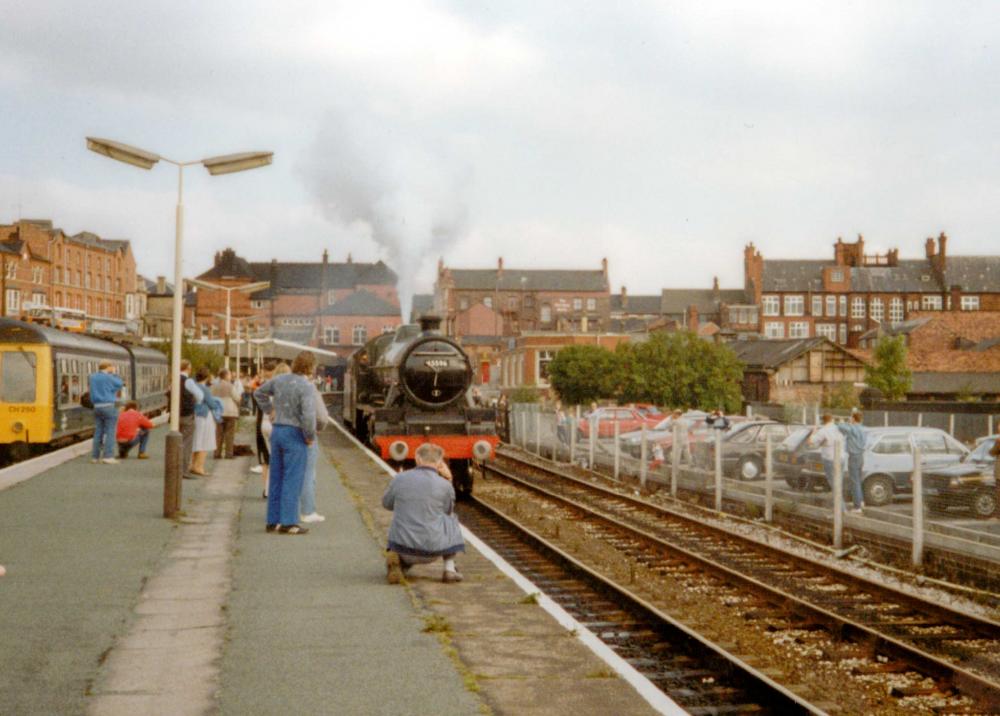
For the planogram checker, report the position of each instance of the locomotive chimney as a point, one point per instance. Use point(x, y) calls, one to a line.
point(430, 324)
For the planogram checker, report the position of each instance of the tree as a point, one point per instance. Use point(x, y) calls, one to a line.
point(197, 354)
point(581, 374)
point(889, 372)
point(681, 370)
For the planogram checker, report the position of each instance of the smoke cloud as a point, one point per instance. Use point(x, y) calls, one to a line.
point(383, 180)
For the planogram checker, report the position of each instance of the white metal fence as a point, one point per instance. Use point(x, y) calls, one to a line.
point(925, 509)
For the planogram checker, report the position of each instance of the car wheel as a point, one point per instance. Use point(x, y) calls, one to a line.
point(749, 468)
point(796, 482)
point(878, 490)
point(984, 505)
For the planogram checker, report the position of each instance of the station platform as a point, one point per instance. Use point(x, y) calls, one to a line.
point(107, 608)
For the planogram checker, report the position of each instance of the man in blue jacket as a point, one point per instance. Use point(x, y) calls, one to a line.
point(854, 441)
point(104, 387)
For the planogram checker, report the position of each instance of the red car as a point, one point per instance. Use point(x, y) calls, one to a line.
point(628, 419)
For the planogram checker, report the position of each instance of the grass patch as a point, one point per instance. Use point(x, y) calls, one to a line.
point(436, 624)
point(529, 599)
point(602, 673)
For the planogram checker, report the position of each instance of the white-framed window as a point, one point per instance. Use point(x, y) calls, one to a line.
point(774, 329)
point(843, 306)
point(837, 276)
point(798, 329)
point(895, 310)
point(542, 360)
point(970, 303)
point(577, 304)
point(11, 270)
point(488, 302)
point(827, 330)
point(37, 275)
point(843, 333)
point(56, 275)
point(545, 316)
point(817, 305)
point(831, 306)
point(331, 335)
point(388, 329)
point(258, 304)
point(930, 302)
point(877, 309)
point(512, 303)
point(771, 305)
point(795, 306)
point(858, 307)
point(591, 304)
point(359, 335)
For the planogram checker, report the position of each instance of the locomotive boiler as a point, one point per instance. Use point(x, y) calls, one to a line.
point(406, 388)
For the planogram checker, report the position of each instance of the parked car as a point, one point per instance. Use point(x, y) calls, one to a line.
point(794, 456)
point(628, 419)
point(969, 483)
point(662, 433)
point(888, 461)
point(743, 448)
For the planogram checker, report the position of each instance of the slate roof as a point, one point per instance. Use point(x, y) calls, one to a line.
point(308, 277)
point(534, 280)
point(899, 329)
point(973, 273)
point(772, 353)
point(793, 275)
point(643, 305)
point(361, 303)
point(227, 264)
point(88, 238)
point(675, 301)
point(630, 325)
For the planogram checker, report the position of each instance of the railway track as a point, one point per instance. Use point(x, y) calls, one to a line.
point(926, 653)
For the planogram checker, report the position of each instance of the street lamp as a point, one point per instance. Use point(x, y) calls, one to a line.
point(215, 165)
point(239, 339)
point(246, 288)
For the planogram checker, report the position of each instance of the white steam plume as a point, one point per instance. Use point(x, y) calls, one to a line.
point(385, 180)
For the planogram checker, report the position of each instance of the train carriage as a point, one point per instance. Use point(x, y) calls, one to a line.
point(406, 388)
point(45, 371)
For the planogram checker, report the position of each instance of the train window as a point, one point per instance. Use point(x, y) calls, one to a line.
point(17, 384)
point(74, 388)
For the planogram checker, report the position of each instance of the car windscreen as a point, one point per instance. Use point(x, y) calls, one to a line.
point(797, 437)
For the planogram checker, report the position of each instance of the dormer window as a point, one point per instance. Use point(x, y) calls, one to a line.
point(837, 276)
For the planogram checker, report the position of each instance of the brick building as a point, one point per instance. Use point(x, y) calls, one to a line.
point(854, 292)
point(42, 266)
point(335, 306)
point(525, 362)
point(508, 302)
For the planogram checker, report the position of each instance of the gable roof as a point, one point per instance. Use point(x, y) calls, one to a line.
point(973, 273)
point(361, 303)
point(533, 280)
point(772, 353)
point(286, 277)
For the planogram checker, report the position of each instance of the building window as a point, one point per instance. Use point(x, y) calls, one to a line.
point(930, 303)
point(970, 303)
point(463, 303)
point(529, 301)
point(331, 297)
point(13, 301)
point(817, 305)
point(37, 275)
point(798, 329)
point(542, 360)
point(56, 273)
point(591, 304)
point(577, 304)
point(827, 330)
point(843, 333)
point(895, 310)
point(831, 306)
point(858, 307)
point(488, 302)
point(86, 280)
point(359, 336)
point(258, 304)
point(772, 305)
point(795, 306)
point(546, 313)
point(843, 306)
point(837, 276)
point(877, 309)
point(331, 335)
point(512, 303)
point(743, 315)
point(388, 329)
point(774, 329)
point(12, 270)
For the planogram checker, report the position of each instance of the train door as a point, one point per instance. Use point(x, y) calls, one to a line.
point(25, 399)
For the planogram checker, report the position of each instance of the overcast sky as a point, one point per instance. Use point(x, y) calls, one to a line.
point(661, 135)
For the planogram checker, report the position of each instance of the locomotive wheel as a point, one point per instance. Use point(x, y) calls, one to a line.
point(461, 478)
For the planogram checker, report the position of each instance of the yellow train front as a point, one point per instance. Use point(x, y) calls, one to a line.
point(45, 371)
point(411, 387)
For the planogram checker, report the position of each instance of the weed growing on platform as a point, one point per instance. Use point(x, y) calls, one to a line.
point(436, 624)
point(602, 673)
point(529, 599)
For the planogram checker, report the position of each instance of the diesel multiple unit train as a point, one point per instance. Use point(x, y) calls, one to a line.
point(406, 388)
point(45, 371)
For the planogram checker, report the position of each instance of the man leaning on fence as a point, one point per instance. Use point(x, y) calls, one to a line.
point(854, 443)
point(826, 439)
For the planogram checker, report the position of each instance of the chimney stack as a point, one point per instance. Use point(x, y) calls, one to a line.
point(624, 298)
point(604, 267)
point(943, 251)
point(956, 298)
point(326, 257)
point(929, 247)
point(161, 285)
point(715, 289)
point(692, 318)
point(499, 266)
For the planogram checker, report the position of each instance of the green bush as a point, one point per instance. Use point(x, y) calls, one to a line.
point(889, 372)
point(523, 394)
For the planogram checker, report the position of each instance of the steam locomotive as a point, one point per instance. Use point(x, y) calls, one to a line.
point(406, 388)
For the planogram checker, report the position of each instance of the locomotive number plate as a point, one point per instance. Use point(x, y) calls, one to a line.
point(436, 363)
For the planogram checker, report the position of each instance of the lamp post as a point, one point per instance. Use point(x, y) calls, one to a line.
point(237, 320)
point(173, 464)
point(246, 288)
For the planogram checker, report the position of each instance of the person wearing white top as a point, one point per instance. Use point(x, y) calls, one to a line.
point(826, 438)
point(307, 502)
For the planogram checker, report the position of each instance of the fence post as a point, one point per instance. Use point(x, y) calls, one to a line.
point(769, 480)
point(989, 424)
point(918, 509)
point(838, 495)
point(643, 458)
point(572, 436)
point(886, 421)
point(805, 419)
point(524, 428)
point(618, 452)
point(593, 440)
point(749, 410)
point(951, 424)
point(538, 432)
point(920, 420)
point(718, 470)
point(816, 414)
point(675, 459)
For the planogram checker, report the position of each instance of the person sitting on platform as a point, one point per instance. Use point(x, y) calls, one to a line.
point(133, 429)
point(424, 525)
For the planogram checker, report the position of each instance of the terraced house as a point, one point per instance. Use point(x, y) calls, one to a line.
point(843, 298)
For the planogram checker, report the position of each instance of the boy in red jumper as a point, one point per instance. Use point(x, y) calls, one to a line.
point(133, 429)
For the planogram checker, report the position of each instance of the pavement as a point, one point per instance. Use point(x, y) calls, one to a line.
point(107, 608)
